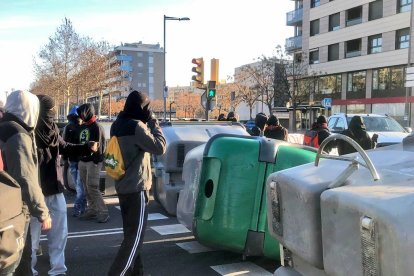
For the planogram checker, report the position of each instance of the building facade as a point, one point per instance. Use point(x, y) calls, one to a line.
point(361, 49)
point(142, 65)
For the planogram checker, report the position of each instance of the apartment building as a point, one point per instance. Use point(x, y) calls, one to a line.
point(361, 49)
point(142, 67)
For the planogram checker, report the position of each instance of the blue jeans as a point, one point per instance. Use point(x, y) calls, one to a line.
point(56, 236)
point(80, 201)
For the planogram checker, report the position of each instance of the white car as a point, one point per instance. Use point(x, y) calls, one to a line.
point(389, 130)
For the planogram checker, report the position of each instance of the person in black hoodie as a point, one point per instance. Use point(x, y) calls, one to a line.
point(90, 166)
point(49, 147)
point(139, 135)
point(260, 123)
point(274, 130)
point(356, 131)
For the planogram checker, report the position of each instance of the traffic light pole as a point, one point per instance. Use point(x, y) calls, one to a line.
point(207, 108)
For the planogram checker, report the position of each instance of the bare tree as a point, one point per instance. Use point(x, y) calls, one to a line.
point(243, 89)
point(294, 81)
point(59, 59)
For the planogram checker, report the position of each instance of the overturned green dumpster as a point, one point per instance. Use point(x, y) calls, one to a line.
point(230, 210)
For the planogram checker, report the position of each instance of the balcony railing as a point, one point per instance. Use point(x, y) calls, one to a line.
point(354, 21)
point(124, 58)
point(294, 17)
point(352, 54)
point(293, 43)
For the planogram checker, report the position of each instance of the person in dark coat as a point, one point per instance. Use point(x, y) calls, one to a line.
point(70, 135)
point(260, 123)
point(90, 165)
point(274, 130)
point(357, 131)
point(221, 117)
point(321, 131)
point(232, 116)
point(139, 135)
point(49, 147)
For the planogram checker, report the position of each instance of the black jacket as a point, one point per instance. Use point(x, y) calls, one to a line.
point(276, 132)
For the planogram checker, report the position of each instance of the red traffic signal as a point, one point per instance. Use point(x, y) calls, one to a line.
point(198, 78)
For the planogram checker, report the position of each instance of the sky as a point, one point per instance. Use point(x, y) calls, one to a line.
point(234, 31)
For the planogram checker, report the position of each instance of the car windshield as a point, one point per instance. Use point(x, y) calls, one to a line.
point(380, 124)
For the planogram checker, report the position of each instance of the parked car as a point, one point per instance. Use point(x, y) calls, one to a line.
point(249, 125)
point(389, 130)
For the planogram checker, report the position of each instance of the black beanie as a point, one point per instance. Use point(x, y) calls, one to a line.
point(46, 103)
point(321, 120)
point(137, 106)
point(273, 121)
point(260, 120)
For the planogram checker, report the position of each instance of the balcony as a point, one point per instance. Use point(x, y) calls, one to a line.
point(352, 54)
point(294, 17)
point(124, 58)
point(293, 43)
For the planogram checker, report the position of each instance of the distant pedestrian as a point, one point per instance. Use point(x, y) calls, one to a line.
point(139, 135)
point(357, 131)
point(318, 133)
point(91, 165)
point(232, 116)
point(260, 123)
point(221, 117)
point(70, 134)
point(49, 147)
point(275, 130)
point(19, 154)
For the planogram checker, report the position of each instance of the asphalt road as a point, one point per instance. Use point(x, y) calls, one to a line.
point(169, 248)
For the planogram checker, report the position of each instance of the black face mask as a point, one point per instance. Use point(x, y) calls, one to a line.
point(137, 106)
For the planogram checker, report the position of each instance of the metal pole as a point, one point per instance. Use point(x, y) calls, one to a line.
point(164, 83)
point(408, 90)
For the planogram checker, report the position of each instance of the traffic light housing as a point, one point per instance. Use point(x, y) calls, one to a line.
point(211, 93)
point(198, 78)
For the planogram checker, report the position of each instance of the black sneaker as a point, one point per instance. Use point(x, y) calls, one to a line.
point(102, 218)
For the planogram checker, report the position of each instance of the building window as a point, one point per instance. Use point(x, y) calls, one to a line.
point(330, 84)
point(354, 16)
point(315, 3)
point(150, 59)
point(314, 57)
point(375, 44)
point(314, 27)
point(140, 64)
point(140, 54)
point(334, 22)
point(375, 10)
point(404, 5)
point(356, 81)
point(333, 52)
point(353, 48)
point(390, 78)
point(402, 39)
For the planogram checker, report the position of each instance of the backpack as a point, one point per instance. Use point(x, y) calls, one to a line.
point(311, 138)
point(113, 160)
point(12, 221)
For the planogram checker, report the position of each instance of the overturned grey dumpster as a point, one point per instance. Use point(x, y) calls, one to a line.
point(182, 137)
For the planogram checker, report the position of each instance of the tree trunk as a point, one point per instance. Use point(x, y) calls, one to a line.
point(100, 104)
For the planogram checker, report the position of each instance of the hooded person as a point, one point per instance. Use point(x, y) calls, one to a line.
point(49, 147)
point(19, 154)
point(260, 123)
point(319, 132)
point(357, 131)
point(139, 135)
point(274, 130)
point(232, 116)
point(71, 162)
point(90, 165)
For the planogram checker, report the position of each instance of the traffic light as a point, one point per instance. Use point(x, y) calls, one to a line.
point(198, 78)
point(211, 93)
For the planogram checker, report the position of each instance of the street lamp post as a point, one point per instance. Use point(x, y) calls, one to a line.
point(165, 89)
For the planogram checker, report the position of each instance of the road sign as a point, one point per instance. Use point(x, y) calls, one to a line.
point(204, 100)
point(326, 102)
point(166, 92)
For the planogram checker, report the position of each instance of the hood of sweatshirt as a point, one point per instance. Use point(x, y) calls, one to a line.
point(23, 105)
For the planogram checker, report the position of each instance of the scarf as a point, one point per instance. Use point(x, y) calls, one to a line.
point(91, 121)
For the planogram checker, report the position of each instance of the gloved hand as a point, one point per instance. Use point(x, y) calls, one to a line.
point(152, 123)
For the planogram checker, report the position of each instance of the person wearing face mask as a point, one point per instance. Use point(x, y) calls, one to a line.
point(49, 147)
point(18, 149)
point(89, 166)
point(139, 135)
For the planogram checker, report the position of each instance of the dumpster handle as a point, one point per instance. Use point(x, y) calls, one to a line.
point(368, 163)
